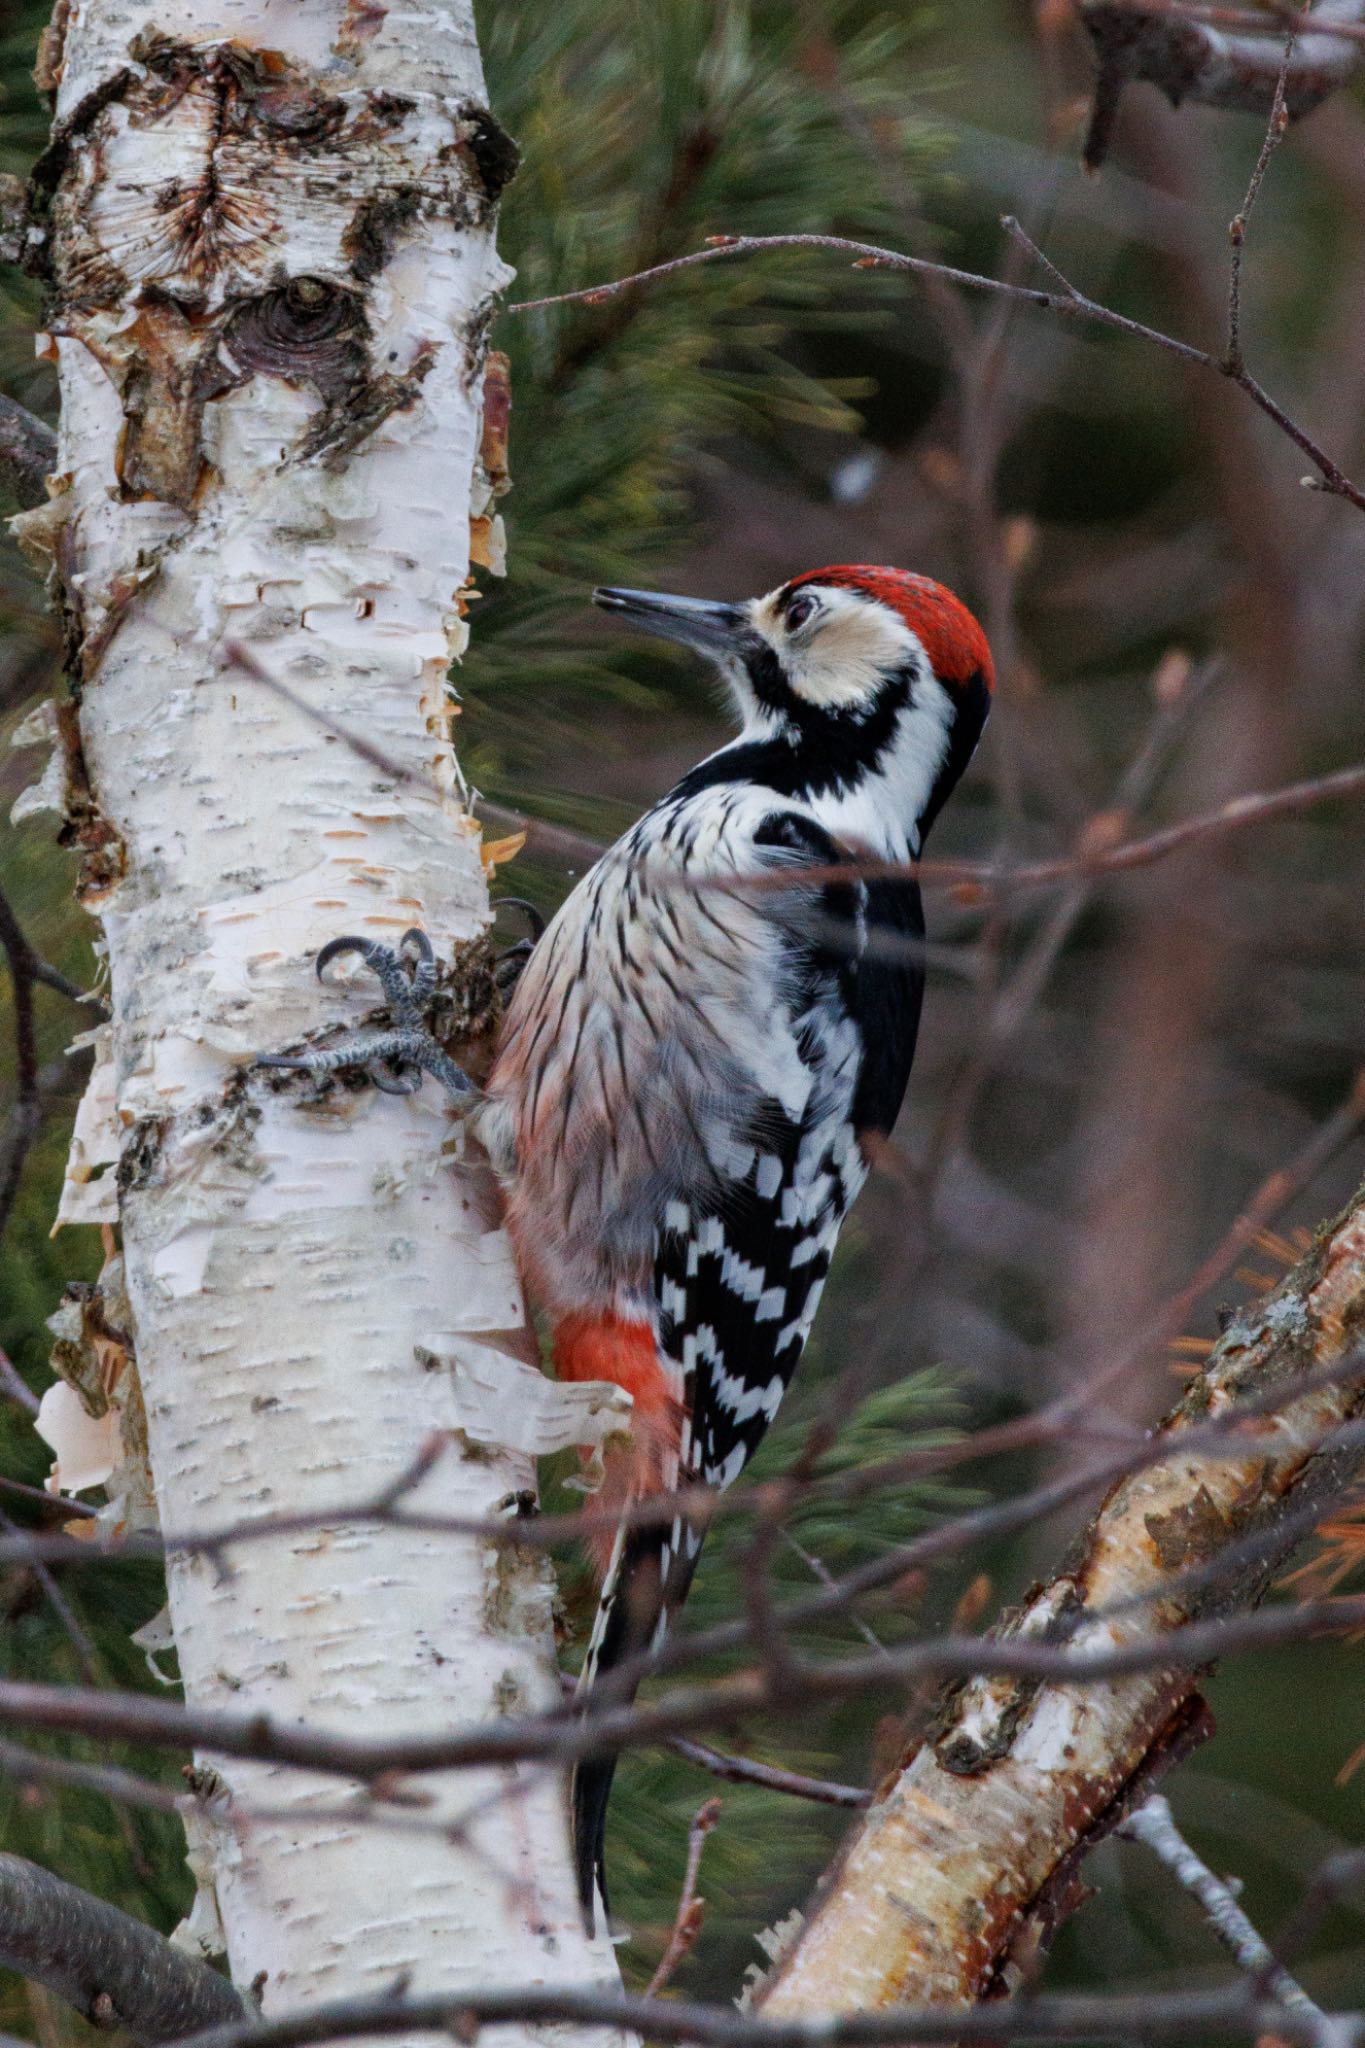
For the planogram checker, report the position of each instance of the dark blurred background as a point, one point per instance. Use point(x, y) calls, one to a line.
point(1110, 1069)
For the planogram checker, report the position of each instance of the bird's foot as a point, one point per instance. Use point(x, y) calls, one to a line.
point(395, 1059)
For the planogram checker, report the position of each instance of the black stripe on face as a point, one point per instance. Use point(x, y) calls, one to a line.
point(820, 750)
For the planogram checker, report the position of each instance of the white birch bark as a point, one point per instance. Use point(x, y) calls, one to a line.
point(290, 465)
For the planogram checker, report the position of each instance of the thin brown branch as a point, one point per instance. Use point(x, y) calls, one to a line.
point(1093, 856)
point(543, 839)
point(86, 1654)
point(560, 1737)
point(744, 1770)
point(14, 1388)
point(981, 881)
point(1232, 2013)
point(1259, 807)
point(1336, 1879)
point(27, 969)
point(867, 256)
point(125, 1790)
point(687, 1921)
point(28, 452)
point(111, 1968)
point(1066, 300)
point(1330, 478)
point(1137, 1453)
point(1275, 132)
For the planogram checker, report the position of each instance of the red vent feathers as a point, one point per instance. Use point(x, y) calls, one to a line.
point(950, 636)
point(603, 1346)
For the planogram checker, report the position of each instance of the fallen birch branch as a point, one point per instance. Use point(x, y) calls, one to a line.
point(967, 1859)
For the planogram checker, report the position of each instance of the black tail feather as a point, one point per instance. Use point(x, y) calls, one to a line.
point(648, 1579)
point(591, 1790)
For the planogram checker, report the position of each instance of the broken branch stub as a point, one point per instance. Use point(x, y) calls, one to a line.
point(177, 189)
point(941, 1889)
point(1195, 60)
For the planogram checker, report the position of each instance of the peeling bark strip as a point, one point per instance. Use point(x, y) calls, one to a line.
point(269, 234)
point(941, 1888)
point(1191, 60)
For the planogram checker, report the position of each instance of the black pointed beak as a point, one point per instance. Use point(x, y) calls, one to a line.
point(695, 621)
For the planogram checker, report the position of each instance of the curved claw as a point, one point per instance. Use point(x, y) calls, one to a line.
point(418, 956)
point(334, 949)
point(416, 939)
point(395, 1059)
point(395, 1084)
point(534, 918)
point(508, 967)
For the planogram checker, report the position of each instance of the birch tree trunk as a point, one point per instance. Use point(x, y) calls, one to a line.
point(271, 237)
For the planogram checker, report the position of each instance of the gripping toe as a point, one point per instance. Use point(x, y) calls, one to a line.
point(395, 1060)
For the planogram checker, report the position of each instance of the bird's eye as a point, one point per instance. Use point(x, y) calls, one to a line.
point(801, 608)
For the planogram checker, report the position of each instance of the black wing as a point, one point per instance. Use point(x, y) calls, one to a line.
point(738, 1275)
point(739, 1287)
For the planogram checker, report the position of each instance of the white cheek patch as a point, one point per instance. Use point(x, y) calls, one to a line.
point(843, 659)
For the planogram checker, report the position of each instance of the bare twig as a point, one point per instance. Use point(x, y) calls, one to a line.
point(1237, 226)
point(86, 1655)
point(977, 881)
point(1337, 1878)
point(1093, 856)
point(550, 842)
point(110, 1967)
point(1134, 1452)
point(1066, 300)
point(743, 1770)
point(27, 969)
point(687, 1921)
point(14, 1388)
point(1154, 1826)
point(818, 1569)
point(1139, 2016)
point(561, 1738)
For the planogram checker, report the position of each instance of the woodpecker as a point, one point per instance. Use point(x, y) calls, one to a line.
point(705, 1046)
